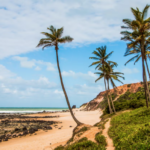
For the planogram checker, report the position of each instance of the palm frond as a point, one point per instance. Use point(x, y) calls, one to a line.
point(52, 29)
point(65, 39)
point(99, 78)
point(131, 59)
point(145, 11)
point(47, 45)
point(59, 32)
point(94, 58)
point(49, 35)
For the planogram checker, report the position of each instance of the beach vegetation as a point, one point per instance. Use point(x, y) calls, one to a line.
point(129, 101)
point(82, 145)
point(54, 38)
point(100, 139)
point(131, 130)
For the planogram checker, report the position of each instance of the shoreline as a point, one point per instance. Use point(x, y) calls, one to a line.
point(43, 140)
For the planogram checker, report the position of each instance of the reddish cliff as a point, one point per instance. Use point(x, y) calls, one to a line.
point(93, 104)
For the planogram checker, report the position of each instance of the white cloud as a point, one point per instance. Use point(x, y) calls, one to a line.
point(130, 71)
point(25, 62)
point(16, 91)
point(37, 68)
point(5, 73)
point(58, 92)
point(79, 74)
point(86, 21)
point(70, 73)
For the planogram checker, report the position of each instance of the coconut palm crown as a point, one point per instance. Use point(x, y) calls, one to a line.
point(101, 57)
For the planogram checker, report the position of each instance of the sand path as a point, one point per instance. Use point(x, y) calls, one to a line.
point(44, 140)
point(108, 139)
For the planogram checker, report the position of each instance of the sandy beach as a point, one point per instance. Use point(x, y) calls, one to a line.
point(47, 140)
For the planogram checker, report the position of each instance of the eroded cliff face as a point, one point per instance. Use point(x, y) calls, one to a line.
point(93, 104)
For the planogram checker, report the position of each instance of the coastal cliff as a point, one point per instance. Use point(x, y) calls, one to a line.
point(93, 104)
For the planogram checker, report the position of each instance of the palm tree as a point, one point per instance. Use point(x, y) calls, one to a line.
point(101, 60)
point(140, 35)
point(109, 75)
point(53, 39)
point(137, 52)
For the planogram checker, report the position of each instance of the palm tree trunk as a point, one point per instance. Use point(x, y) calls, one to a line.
point(147, 84)
point(147, 68)
point(144, 77)
point(78, 123)
point(111, 98)
point(110, 110)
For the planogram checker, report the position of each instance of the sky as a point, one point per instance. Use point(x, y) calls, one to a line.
point(29, 76)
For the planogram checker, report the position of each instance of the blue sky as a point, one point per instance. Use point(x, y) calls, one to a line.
point(29, 76)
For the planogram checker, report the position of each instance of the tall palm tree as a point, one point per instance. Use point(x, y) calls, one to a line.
point(140, 35)
point(53, 39)
point(101, 60)
point(109, 75)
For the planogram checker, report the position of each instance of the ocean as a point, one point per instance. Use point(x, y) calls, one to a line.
point(29, 109)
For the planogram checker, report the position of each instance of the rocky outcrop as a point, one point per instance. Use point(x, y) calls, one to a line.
point(93, 104)
point(74, 106)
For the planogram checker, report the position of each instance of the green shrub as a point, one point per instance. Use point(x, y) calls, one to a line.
point(59, 147)
point(83, 139)
point(104, 103)
point(85, 145)
point(131, 130)
point(70, 140)
point(83, 129)
point(100, 139)
point(128, 101)
point(128, 85)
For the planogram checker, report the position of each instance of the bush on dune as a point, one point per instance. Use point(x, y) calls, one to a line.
point(131, 130)
point(129, 101)
point(85, 144)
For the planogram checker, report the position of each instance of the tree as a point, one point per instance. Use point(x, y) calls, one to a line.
point(109, 75)
point(140, 35)
point(137, 52)
point(53, 39)
point(101, 60)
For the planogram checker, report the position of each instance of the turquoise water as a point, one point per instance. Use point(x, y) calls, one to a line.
point(29, 109)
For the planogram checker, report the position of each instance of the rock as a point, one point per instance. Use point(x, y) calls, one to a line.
point(2, 136)
point(47, 127)
point(17, 129)
point(25, 132)
point(14, 135)
point(6, 139)
point(20, 134)
point(32, 130)
point(24, 128)
point(74, 106)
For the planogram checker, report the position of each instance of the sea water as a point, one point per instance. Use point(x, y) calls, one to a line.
point(29, 109)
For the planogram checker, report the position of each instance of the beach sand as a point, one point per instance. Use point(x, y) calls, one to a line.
point(52, 138)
